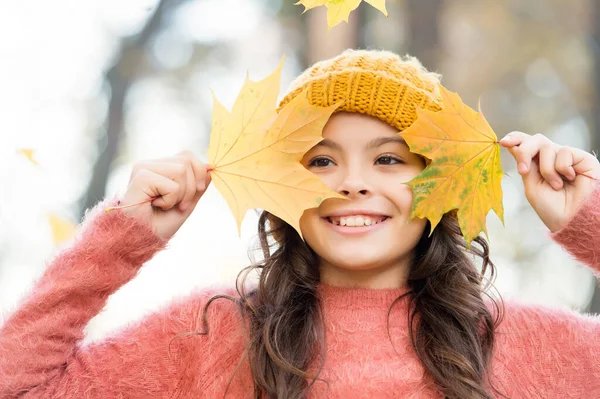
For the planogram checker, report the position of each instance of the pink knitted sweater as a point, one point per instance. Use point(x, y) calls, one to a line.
point(540, 353)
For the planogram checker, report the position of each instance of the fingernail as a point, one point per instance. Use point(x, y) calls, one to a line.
point(522, 167)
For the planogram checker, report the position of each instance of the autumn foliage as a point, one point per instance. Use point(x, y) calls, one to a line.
point(255, 152)
point(465, 170)
point(339, 10)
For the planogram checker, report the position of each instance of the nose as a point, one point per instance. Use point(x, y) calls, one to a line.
point(354, 185)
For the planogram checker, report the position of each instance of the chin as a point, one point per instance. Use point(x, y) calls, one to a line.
point(356, 261)
point(382, 248)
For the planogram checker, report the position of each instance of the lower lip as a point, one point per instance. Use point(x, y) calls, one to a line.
point(354, 231)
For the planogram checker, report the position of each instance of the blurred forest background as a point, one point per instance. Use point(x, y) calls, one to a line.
point(94, 86)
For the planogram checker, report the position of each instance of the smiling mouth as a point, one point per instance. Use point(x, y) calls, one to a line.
point(357, 221)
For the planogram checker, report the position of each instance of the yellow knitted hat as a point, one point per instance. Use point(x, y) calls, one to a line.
point(376, 83)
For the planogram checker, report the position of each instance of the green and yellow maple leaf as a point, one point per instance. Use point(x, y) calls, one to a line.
point(256, 152)
point(465, 170)
point(339, 10)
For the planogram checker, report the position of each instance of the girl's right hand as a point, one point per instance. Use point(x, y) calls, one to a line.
point(177, 181)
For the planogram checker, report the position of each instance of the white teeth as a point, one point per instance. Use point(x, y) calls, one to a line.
point(353, 221)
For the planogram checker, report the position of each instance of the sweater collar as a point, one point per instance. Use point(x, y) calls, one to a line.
point(343, 297)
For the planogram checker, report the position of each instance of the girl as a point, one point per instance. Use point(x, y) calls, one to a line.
point(370, 305)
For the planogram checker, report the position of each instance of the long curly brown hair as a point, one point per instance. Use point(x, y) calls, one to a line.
point(452, 329)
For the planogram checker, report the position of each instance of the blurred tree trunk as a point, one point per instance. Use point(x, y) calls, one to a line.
point(322, 44)
point(424, 21)
point(595, 131)
point(120, 77)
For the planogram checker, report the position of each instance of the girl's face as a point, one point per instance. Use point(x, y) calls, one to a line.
point(366, 240)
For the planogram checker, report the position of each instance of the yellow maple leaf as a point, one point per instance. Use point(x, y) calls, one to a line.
point(62, 229)
point(339, 10)
point(256, 152)
point(465, 170)
point(29, 154)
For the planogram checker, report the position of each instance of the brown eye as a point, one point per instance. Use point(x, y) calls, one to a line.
point(321, 162)
point(388, 160)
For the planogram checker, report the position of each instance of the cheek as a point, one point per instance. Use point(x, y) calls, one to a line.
point(330, 178)
point(403, 194)
point(313, 231)
point(402, 197)
point(308, 221)
point(409, 172)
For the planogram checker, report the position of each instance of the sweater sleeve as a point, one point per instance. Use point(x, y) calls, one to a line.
point(544, 352)
point(40, 344)
point(581, 236)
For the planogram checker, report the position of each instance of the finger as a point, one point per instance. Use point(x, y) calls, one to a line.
point(198, 177)
point(189, 181)
point(201, 175)
point(564, 163)
point(203, 178)
point(533, 178)
point(172, 170)
point(514, 141)
point(157, 185)
point(523, 155)
point(195, 200)
point(514, 138)
point(527, 150)
point(514, 151)
point(547, 161)
point(190, 186)
point(584, 163)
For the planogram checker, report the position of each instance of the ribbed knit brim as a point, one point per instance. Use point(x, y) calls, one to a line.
point(377, 83)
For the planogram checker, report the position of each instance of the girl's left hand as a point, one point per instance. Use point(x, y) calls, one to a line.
point(553, 176)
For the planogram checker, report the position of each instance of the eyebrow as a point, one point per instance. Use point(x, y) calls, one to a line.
point(377, 142)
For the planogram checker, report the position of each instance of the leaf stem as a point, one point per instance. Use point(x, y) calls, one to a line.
point(588, 176)
point(127, 206)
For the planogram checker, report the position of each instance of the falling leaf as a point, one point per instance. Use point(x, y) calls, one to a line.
point(465, 170)
point(256, 152)
point(62, 229)
point(29, 154)
point(339, 10)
